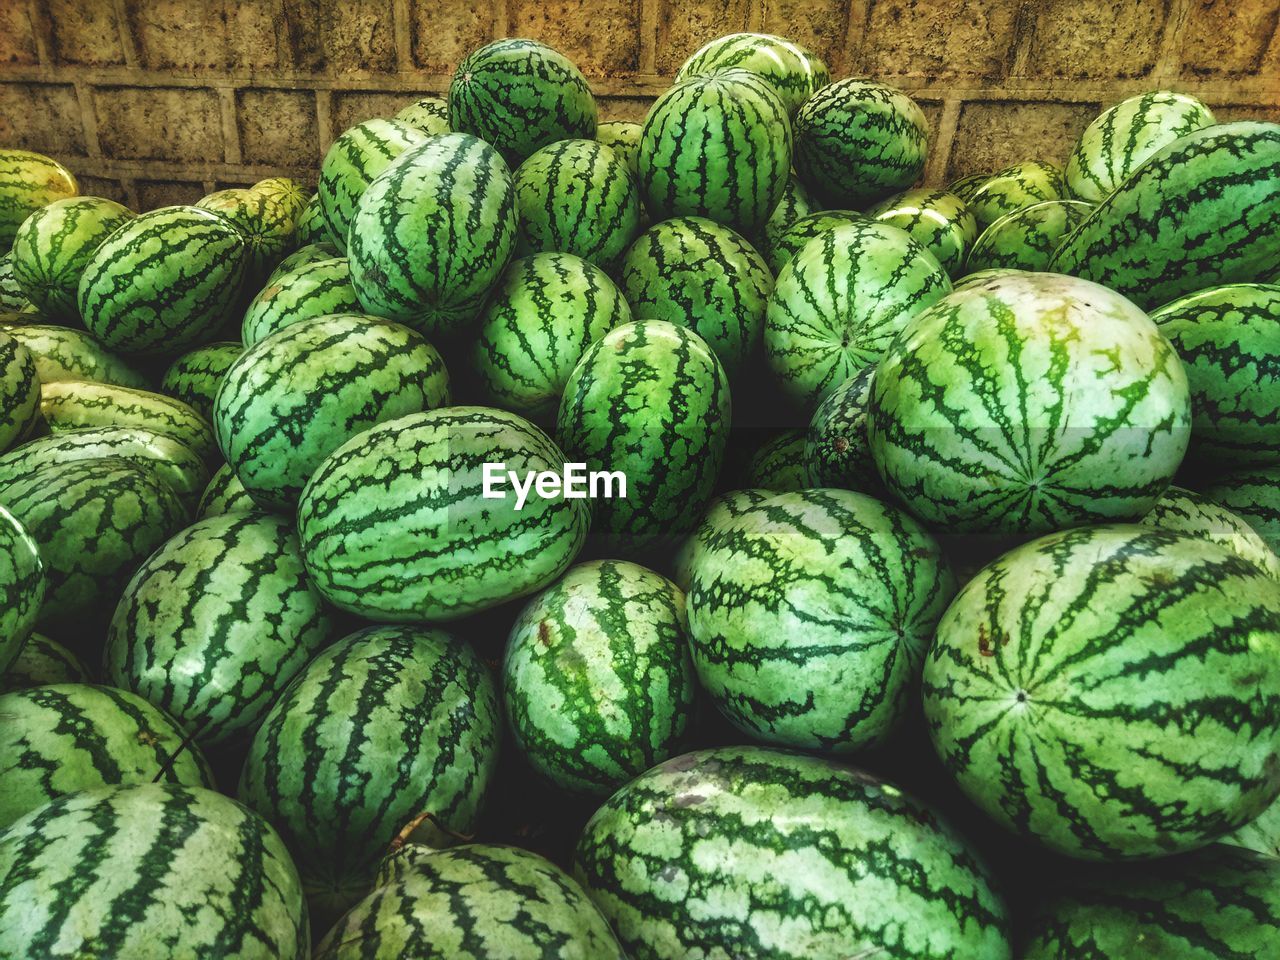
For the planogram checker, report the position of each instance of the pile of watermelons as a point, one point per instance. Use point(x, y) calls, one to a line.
point(940, 618)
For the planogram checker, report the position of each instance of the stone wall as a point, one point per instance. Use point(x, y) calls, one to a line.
point(159, 101)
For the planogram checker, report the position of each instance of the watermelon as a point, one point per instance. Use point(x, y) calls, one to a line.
point(68, 737)
point(695, 273)
point(1028, 403)
point(29, 181)
point(1261, 834)
point(75, 404)
point(721, 511)
point(311, 229)
point(596, 677)
point(216, 623)
point(623, 137)
point(293, 196)
point(939, 221)
point(292, 399)
point(788, 241)
point(794, 204)
point(353, 161)
point(964, 187)
point(859, 141)
point(1189, 512)
point(308, 253)
point(384, 725)
point(53, 245)
point(778, 463)
point(979, 277)
point(1112, 691)
point(23, 582)
point(1123, 137)
point(1015, 187)
point(840, 302)
point(1229, 340)
point(69, 353)
point(1201, 211)
point(224, 494)
point(12, 298)
point(163, 282)
point(42, 662)
point(433, 233)
point(19, 391)
point(651, 401)
point(520, 95)
point(809, 616)
point(264, 219)
point(1026, 238)
point(1254, 495)
point(753, 852)
point(837, 452)
point(793, 71)
point(94, 523)
point(395, 526)
point(474, 902)
point(542, 316)
point(719, 147)
point(429, 114)
point(195, 376)
point(314, 289)
point(152, 871)
point(577, 196)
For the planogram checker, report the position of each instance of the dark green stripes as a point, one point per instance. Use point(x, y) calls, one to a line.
point(29, 181)
point(312, 289)
point(358, 156)
point(194, 377)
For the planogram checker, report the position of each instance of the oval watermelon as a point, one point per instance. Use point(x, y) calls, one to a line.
point(310, 290)
point(353, 161)
point(29, 181)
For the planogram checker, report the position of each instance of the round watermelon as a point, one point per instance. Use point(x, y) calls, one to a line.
point(792, 70)
point(938, 220)
point(351, 163)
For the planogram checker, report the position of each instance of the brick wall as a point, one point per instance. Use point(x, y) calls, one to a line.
point(159, 101)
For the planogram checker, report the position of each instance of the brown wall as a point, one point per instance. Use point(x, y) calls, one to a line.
point(157, 101)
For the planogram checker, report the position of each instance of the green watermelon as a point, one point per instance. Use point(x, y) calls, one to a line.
point(164, 281)
point(264, 218)
point(308, 253)
point(1229, 341)
point(224, 494)
point(837, 452)
point(314, 289)
point(53, 245)
point(382, 726)
point(1026, 238)
point(153, 871)
point(292, 195)
point(719, 147)
point(544, 313)
point(794, 204)
point(1261, 834)
point(596, 677)
point(1112, 691)
point(520, 95)
point(859, 141)
point(292, 399)
point(979, 277)
point(433, 233)
point(649, 400)
point(752, 852)
point(429, 114)
point(19, 391)
point(474, 902)
point(577, 196)
point(809, 616)
point(695, 273)
point(395, 526)
point(69, 737)
point(1254, 495)
point(353, 161)
point(311, 229)
point(623, 137)
point(23, 583)
point(216, 623)
point(29, 181)
point(965, 187)
point(69, 353)
point(722, 509)
point(12, 298)
point(1015, 187)
point(1201, 211)
point(1028, 403)
point(939, 221)
point(778, 463)
point(1123, 137)
point(793, 71)
point(788, 241)
point(42, 662)
point(840, 302)
point(195, 376)
point(1186, 511)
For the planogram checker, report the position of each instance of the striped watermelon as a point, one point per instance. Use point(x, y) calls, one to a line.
point(314, 289)
point(53, 245)
point(719, 147)
point(752, 852)
point(623, 137)
point(195, 376)
point(69, 353)
point(1261, 835)
point(19, 391)
point(433, 233)
point(429, 114)
point(939, 221)
point(809, 616)
point(394, 525)
point(1112, 691)
point(1186, 511)
point(1123, 137)
point(94, 522)
point(979, 277)
point(837, 452)
point(859, 141)
point(292, 399)
point(577, 196)
point(292, 195)
point(778, 463)
point(794, 204)
point(353, 161)
point(1015, 187)
point(1026, 238)
point(224, 494)
point(542, 316)
point(695, 273)
point(520, 95)
point(387, 724)
point(305, 254)
point(720, 512)
point(840, 302)
point(787, 242)
point(651, 400)
point(597, 681)
point(69, 737)
point(12, 298)
point(1028, 403)
point(23, 583)
point(149, 872)
point(474, 897)
point(216, 623)
point(311, 228)
point(965, 187)
point(42, 662)
point(1254, 495)
point(792, 70)
point(1201, 211)
point(1229, 341)
point(29, 181)
point(264, 219)
point(163, 282)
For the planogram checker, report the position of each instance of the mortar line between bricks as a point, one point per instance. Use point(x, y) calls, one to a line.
point(402, 32)
point(127, 45)
point(853, 50)
point(1168, 53)
point(230, 128)
point(940, 155)
point(324, 119)
point(648, 38)
point(40, 33)
point(88, 120)
point(755, 15)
